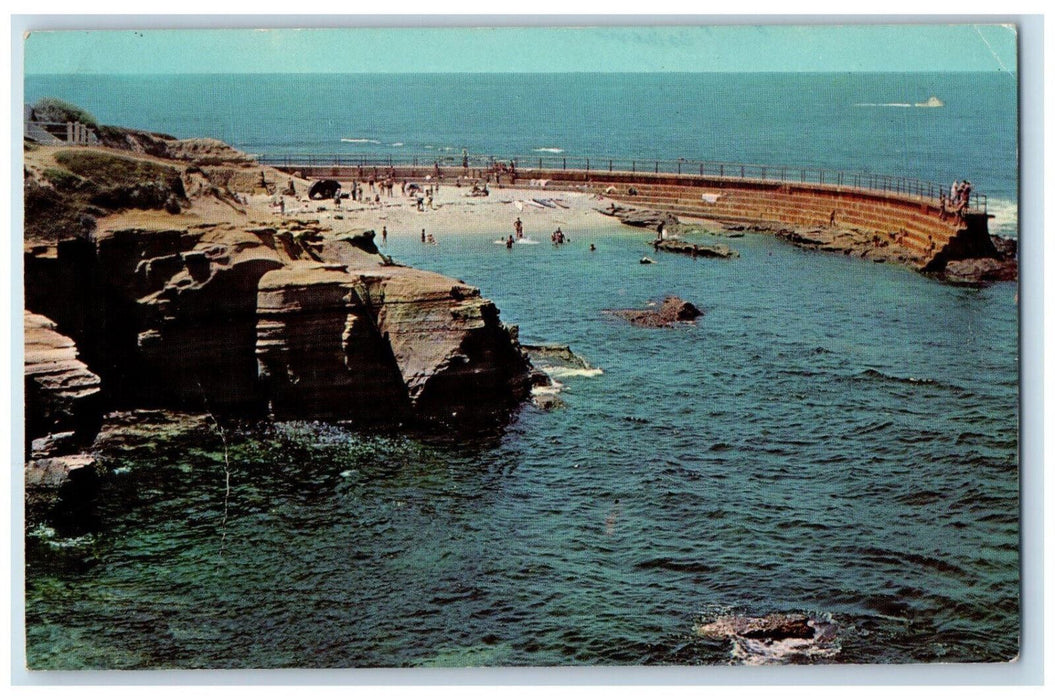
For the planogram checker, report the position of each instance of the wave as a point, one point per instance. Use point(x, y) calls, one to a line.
point(929, 103)
point(548, 150)
point(670, 564)
point(397, 144)
point(563, 372)
point(876, 374)
point(360, 141)
point(1005, 217)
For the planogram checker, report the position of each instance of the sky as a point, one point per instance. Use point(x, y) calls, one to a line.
point(639, 48)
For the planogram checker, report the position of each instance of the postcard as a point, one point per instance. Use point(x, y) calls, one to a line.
point(521, 346)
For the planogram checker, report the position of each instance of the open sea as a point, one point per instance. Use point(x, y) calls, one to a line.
point(833, 437)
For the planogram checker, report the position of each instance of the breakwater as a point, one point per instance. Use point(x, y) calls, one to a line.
point(907, 217)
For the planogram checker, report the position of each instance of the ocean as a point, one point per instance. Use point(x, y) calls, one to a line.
point(833, 437)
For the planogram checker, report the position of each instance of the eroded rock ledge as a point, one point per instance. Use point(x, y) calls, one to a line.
point(291, 320)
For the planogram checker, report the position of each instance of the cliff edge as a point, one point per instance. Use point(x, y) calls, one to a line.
point(175, 293)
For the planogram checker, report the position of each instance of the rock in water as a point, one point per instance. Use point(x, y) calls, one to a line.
point(673, 310)
point(775, 639)
point(695, 250)
point(980, 270)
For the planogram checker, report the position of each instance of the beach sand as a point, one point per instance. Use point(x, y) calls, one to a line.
point(453, 212)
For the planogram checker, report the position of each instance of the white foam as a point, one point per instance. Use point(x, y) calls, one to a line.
point(549, 150)
point(757, 652)
point(1005, 217)
point(361, 141)
point(397, 144)
point(882, 104)
point(552, 389)
point(565, 372)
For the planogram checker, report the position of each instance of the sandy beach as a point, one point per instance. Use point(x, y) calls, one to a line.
point(453, 211)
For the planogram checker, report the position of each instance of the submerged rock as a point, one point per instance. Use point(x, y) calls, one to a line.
point(775, 639)
point(673, 310)
point(695, 250)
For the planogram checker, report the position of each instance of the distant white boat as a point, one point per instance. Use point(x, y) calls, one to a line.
point(931, 101)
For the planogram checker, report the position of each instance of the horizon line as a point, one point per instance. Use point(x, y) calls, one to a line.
point(524, 72)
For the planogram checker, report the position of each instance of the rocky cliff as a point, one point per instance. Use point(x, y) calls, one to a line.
point(197, 306)
point(62, 395)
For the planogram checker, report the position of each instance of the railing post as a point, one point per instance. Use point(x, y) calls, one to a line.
point(587, 165)
point(564, 165)
point(633, 166)
point(657, 167)
point(609, 166)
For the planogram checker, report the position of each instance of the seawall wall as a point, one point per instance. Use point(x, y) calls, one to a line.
point(913, 224)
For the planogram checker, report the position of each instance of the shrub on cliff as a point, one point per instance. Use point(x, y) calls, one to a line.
point(52, 109)
point(117, 182)
point(50, 216)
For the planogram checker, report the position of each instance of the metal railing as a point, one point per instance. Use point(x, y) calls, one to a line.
point(895, 184)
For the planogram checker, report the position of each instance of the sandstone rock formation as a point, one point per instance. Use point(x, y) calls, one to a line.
point(201, 310)
point(62, 395)
point(228, 318)
point(641, 218)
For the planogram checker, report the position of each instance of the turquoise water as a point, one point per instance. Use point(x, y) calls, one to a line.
point(839, 121)
point(833, 437)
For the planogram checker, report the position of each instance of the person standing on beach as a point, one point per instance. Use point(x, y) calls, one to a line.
point(422, 235)
point(518, 227)
point(384, 235)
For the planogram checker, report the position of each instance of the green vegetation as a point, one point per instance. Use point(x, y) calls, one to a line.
point(67, 199)
point(52, 109)
point(108, 170)
point(63, 179)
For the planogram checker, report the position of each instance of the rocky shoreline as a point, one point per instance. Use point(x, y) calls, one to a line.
point(151, 284)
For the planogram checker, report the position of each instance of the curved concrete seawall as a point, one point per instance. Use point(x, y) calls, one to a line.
point(912, 225)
